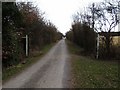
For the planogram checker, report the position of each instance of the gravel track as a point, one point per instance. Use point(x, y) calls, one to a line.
point(51, 71)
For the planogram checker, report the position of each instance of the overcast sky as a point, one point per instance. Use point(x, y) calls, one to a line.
point(60, 12)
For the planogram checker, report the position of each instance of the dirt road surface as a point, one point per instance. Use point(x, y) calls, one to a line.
point(51, 71)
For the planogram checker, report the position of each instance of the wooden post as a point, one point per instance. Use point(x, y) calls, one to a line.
point(97, 56)
point(26, 45)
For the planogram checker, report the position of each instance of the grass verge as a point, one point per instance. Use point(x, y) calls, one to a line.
point(15, 70)
point(92, 73)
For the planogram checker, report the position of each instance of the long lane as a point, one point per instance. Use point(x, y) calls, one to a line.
point(49, 72)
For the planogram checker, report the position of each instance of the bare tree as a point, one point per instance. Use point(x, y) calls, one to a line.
point(107, 19)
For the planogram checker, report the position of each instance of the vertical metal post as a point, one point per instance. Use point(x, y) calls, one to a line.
point(26, 45)
point(97, 47)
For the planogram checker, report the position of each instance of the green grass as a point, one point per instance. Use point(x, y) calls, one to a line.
point(92, 73)
point(15, 70)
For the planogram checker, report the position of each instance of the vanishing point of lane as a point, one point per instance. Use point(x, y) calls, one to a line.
point(49, 72)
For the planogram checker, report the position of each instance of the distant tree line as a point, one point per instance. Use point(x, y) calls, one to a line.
point(18, 20)
point(96, 18)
